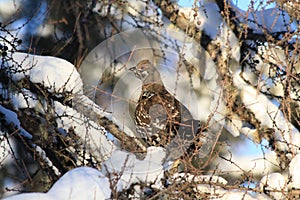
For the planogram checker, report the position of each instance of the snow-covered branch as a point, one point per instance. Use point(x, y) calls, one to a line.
point(75, 131)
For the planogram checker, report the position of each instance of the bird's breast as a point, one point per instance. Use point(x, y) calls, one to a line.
point(155, 108)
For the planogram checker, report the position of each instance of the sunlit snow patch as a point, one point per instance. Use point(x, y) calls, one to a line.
point(57, 75)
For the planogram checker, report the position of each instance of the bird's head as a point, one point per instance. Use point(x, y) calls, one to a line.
point(146, 72)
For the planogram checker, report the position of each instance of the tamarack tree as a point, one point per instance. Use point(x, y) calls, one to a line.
point(56, 116)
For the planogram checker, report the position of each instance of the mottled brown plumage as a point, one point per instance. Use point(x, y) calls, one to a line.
point(159, 116)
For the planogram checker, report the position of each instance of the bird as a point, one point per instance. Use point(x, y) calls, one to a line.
point(159, 117)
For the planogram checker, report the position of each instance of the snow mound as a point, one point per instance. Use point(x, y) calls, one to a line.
point(80, 183)
point(56, 74)
point(128, 170)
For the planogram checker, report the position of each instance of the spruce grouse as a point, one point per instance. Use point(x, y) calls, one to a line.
point(159, 117)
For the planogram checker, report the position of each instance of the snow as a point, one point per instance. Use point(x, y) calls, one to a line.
point(8, 7)
point(12, 117)
point(46, 160)
point(232, 195)
point(25, 99)
point(197, 178)
point(5, 152)
point(127, 169)
point(87, 106)
point(89, 131)
point(229, 44)
point(87, 183)
point(208, 18)
point(271, 54)
point(295, 172)
point(234, 125)
point(248, 158)
point(57, 75)
point(30, 196)
point(275, 182)
point(134, 8)
point(215, 191)
point(82, 183)
point(268, 113)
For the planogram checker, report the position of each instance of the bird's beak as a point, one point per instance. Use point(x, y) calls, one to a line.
point(132, 68)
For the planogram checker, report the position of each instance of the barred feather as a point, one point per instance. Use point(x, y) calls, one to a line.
point(158, 114)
